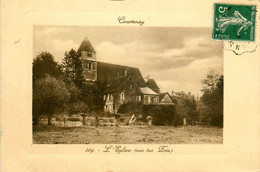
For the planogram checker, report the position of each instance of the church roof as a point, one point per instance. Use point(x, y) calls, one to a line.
point(107, 73)
point(86, 46)
point(116, 86)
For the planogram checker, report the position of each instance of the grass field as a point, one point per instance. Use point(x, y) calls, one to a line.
point(133, 134)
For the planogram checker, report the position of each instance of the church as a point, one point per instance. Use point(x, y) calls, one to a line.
point(124, 83)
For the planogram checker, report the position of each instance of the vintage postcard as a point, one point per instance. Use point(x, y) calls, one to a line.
point(120, 85)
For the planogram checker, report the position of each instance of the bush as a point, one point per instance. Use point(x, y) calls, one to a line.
point(178, 120)
point(217, 120)
point(130, 108)
point(77, 107)
point(161, 114)
point(73, 119)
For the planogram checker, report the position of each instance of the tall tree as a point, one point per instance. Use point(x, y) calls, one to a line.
point(213, 98)
point(73, 68)
point(44, 64)
point(49, 95)
point(211, 80)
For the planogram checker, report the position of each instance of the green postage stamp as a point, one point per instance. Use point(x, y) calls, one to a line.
point(234, 22)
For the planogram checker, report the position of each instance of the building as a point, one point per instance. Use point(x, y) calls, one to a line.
point(182, 94)
point(123, 83)
point(152, 84)
point(165, 99)
point(89, 61)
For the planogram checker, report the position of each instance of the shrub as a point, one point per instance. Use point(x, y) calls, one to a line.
point(130, 108)
point(217, 120)
point(73, 119)
point(178, 120)
point(161, 114)
point(77, 107)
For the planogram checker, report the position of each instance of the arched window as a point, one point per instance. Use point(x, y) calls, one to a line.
point(122, 96)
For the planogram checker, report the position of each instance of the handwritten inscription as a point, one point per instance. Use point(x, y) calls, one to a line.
point(120, 149)
point(123, 20)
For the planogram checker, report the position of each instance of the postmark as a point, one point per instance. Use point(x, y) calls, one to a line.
point(234, 22)
point(240, 48)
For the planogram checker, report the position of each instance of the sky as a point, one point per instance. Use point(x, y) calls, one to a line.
point(177, 58)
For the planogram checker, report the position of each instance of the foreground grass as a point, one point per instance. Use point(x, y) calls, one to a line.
point(137, 134)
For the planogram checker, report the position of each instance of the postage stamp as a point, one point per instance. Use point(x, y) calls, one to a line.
point(234, 22)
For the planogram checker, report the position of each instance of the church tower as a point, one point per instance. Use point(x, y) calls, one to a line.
point(89, 61)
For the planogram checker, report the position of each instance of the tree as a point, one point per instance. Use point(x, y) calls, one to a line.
point(49, 95)
point(92, 95)
point(210, 82)
point(185, 108)
point(74, 92)
point(213, 98)
point(73, 68)
point(192, 112)
point(43, 65)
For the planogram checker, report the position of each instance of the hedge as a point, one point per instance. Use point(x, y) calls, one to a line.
point(161, 114)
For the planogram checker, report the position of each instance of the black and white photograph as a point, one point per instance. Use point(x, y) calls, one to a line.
point(126, 85)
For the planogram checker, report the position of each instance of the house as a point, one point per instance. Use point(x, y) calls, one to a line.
point(123, 83)
point(182, 95)
point(165, 99)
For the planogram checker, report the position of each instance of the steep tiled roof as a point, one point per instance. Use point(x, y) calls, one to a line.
point(86, 46)
point(107, 73)
point(146, 90)
point(162, 95)
point(117, 85)
point(152, 84)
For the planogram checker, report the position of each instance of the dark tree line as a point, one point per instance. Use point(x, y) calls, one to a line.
point(62, 87)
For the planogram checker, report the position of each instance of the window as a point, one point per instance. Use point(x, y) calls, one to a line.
point(84, 65)
point(122, 96)
point(139, 98)
point(90, 65)
point(90, 54)
point(132, 87)
point(149, 99)
point(110, 108)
